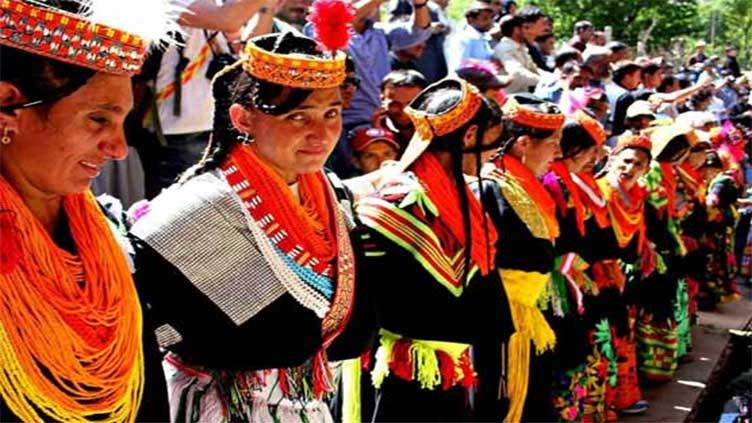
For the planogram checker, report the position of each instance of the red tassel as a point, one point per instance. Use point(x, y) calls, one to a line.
point(10, 242)
point(469, 378)
point(402, 361)
point(284, 385)
point(322, 375)
point(446, 367)
point(332, 22)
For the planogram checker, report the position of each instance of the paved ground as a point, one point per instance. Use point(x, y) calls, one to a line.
point(672, 401)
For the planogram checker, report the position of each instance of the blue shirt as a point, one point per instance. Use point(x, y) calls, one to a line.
point(470, 44)
point(370, 52)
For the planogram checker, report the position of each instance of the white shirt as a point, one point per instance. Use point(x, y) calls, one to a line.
point(518, 63)
point(197, 105)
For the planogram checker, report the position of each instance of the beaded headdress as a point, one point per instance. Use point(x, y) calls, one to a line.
point(592, 126)
point(526, 116)
point(331, 21)
point(430, 125)
point(110, 36)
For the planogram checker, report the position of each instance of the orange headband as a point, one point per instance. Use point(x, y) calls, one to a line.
point(592, 126)
point(525, 116)
point(633, 141)
point(68, 38)
point(294, 70)
point(428, 126)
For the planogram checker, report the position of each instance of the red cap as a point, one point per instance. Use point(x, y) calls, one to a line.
point(361, 138)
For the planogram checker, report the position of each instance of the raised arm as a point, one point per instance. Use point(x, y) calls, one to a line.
point(228, 17)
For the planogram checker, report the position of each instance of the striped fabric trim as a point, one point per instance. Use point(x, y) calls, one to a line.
point(417, 238)
point(188, 73)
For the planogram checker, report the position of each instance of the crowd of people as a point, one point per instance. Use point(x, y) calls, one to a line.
point(313, 212)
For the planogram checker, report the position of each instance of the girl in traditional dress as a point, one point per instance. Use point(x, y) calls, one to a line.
point(429, 256)
point(248, 261)
point(525, 214)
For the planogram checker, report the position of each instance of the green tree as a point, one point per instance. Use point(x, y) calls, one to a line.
point(727, 22)
point(658, 22)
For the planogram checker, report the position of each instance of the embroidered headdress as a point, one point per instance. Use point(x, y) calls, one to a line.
point(109, 36)
point(331, 20)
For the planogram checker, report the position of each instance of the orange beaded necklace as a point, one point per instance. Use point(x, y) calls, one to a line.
point(70, 325)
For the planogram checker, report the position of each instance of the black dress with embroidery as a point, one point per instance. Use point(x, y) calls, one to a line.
point(412, 303)
point(283, 335)
point(518, 249)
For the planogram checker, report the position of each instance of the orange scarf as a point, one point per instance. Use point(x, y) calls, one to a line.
point(308, 222)
point(626, 219)
point(669, 185)
point(441, 189)
point(70, 325)
point(535, 189)
point(692, 178)
point(600, 211)
point(560, 170)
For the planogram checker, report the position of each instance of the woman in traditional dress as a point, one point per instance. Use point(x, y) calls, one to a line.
point(425, 224)
point(618, 244)
point(663, 320)
point(525, 214)
point(248, 262)
point(581, 138)
point(71, 346)
point(720, 201)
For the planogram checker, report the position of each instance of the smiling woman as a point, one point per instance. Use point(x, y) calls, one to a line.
point(70, 320)
point(248, 260)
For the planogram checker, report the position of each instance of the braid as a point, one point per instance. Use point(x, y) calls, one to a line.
point(226, 89)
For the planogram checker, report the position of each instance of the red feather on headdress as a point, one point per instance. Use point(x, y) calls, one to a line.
point(332, 23)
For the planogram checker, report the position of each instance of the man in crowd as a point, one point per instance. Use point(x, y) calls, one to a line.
point(534, 24)
point(513, 55)
point(699, 55)
point(583, 32)
point(627, 77)
point(472, 42)
point(731, 64)
point(398, 89)
point(182, 118)
point(407, 47)
point(569, 77)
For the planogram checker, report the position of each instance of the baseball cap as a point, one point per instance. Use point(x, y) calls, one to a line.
point(361, 138)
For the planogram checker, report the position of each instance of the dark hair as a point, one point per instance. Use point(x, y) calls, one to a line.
point(666, 83)
point(625, 69)
point(713, 160)
point(574, 139)
point(616, 46)
point(508, 24)
point(650, 68)
point(40, 78)
point(570, 68)
point(233, 85)
point(404, 78)
point(567, 54)
point(700, 96)
point(530, 14)
point(542, 38)
point(506, 5)
point(438, 101)
point(513, 130)
point(349, 64)
point(674, 149)
point(582, 26)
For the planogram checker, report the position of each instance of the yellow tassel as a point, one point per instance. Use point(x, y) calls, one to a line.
point(351, 372)
point(523, 290)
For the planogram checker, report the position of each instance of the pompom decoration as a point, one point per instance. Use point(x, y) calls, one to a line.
point(332, 23)
point(10, 243)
